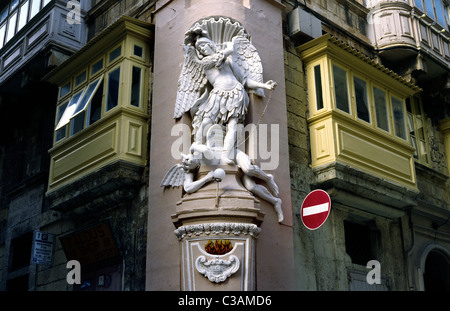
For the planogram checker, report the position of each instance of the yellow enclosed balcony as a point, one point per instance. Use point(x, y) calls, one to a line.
point(358, 114)
point(102, 110)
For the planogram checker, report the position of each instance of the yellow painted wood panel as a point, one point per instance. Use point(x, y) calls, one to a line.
point(82, 156)
point(374, 156)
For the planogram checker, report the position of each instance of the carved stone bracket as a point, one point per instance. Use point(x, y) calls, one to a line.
point(218, 228)
point(217, 270)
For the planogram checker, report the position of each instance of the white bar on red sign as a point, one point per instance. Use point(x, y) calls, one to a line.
point(315, 209)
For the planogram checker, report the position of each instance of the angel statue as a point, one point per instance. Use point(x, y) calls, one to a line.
point(183, 175)
point(213, 82)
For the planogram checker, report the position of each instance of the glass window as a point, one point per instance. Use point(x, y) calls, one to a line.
point(381, 108)
point(4, 15)
point(64, 90)
point(46, 2)
point(419, 4)
point(399, 119)
point(68, 112)
point(97, 67)
point(138, 51)
point(135, 86)
point(361, 98)
point(2, 34)
point(77, 123)
point(11, 27)
point(61, 133)
point(416, 129)
point(440, 12)
point(95, 107)
point(80, 78)
point(35, 6)
point(23, 15)
point(340, 88)
point(87, 96)
point(115, 53)
point(14, 4)
point(429, 7)
point(318, 83)
point(113, 89)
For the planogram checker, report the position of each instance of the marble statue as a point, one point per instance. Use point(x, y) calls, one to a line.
point(221, 68)
point(213, 83)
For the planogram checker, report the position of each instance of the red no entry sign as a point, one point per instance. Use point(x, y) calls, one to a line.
point(315, 209)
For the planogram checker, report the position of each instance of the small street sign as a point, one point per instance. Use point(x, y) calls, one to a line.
point(42, 252)
point(315, 209)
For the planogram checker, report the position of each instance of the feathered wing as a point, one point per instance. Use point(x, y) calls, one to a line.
point(191, 83)
point(174, 176)
point(246, 57)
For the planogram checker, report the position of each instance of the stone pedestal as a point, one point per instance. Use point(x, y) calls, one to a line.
point(234, 270)
point(219, 201)
point(219, 211)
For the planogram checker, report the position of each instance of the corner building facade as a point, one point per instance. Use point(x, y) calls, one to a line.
point(361, 110)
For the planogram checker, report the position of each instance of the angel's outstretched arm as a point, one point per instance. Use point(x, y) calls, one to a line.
point(191, 186)
point(252, 84)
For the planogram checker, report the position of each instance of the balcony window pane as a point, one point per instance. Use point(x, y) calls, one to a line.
point(113, 89)
point(419, 4)
point(97, 66)
point(14, 4)
point(61, 133)
point(77, 123)
point(23, 15)
point(4, 15)
point(138, 51)
point(362, 102)
point(440, 12)
point(430, 11)
point(2, 34)
point(340, 88)
point(46, 2)
point(95, 108)
point(11, 27)
point(381, 108)
point(64, 90)
point(135, 86)
point(86, 97)
point(114, 54)
point(35, 6)
point(399, 118)
point(80, 78)
point(318, 82)
point(68, 112)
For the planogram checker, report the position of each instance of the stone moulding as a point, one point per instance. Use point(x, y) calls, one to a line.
point(218, 228)
point(217, 270)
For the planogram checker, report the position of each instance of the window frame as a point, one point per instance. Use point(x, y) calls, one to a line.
point(17, 11)
point(387, 110)
point(371, 82)
point(404, 116)
point(368, 106)
point(423, 158)
point(119, 66)
point(428, 7)
point(333, 87)
point(141, 85)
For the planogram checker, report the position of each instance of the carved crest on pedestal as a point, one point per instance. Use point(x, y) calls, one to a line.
point(217, 270)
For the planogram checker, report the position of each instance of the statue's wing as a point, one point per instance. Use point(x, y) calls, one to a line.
point(246, 57)
point(174, 177)
point(191, 83)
